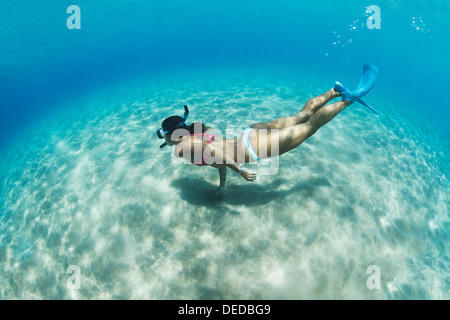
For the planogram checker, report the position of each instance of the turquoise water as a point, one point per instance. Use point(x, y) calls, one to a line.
point(84, 183)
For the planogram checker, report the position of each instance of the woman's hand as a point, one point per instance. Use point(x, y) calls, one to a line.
point(218, 193)
point(248, 174)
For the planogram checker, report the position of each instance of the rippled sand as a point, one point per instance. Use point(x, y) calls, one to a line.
point(90, 187)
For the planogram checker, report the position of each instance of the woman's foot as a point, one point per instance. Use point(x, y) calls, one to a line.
point(343, 92)
point(366, 83)
point(334, 93)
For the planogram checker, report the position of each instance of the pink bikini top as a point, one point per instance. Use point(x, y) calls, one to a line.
point(204, 158)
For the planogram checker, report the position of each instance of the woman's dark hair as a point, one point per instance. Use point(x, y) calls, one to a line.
point(173, 122)
point(197, 126)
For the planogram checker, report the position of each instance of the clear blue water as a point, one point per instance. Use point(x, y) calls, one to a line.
point(83, 182)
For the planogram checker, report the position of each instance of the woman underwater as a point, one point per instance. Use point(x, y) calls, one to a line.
point(197, 144)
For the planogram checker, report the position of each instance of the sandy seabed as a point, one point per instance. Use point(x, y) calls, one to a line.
point(90, 187)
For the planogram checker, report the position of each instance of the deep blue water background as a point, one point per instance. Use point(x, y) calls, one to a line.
point(43, 64)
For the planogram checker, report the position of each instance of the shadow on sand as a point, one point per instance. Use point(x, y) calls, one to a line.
point(201, 193)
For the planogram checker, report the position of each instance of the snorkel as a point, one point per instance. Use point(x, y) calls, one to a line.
point(162, 133)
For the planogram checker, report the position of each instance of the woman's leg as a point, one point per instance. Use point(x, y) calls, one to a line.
point(308, 110)
point(290, 137)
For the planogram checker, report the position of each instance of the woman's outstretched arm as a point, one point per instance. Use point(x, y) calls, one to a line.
point(224, 159)
point(223, 177)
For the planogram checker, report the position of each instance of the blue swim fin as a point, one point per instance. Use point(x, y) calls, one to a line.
point(366, 83)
